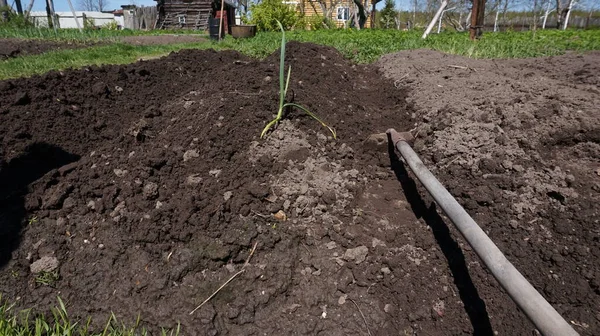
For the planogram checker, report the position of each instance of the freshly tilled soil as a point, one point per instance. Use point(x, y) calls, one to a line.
point(149, 186)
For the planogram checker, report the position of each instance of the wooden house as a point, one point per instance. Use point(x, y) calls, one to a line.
point(342, 13)
point(192, 14)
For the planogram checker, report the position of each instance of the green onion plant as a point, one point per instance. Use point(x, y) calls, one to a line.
point(283, 87)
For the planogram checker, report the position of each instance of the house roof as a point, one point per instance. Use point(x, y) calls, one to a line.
point(228, 2)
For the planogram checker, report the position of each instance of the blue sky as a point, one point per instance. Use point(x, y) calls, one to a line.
point(63, 5)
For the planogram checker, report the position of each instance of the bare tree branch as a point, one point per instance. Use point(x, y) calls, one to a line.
point(92, 5)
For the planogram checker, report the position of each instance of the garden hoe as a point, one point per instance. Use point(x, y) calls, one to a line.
point(540, 312)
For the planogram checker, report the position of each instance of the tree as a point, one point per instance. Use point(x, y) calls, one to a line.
point(373, 11)
point(435, 18)
point(387, 16)
point(563, 8)
point(362, 12)
point(266, 14)
point(92, 5)
point(327, 7)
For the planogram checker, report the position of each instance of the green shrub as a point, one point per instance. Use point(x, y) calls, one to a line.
point(318, 22)
point(110, 25)
point(89, 23)
point(266, 14)
point(13, 20)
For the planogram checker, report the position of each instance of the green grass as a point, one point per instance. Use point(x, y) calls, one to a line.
point(87, 35)
point(24, 323)
point(117, 53)
point(47, 278)
point(360, 46)
point(367, 45)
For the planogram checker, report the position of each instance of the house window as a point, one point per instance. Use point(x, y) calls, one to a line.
point(181, 19)
point(343, 13)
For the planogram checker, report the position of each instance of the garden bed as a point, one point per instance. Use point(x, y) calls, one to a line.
point(149, 185)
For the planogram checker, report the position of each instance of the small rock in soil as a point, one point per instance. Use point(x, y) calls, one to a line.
point(357, 254)
point(214, 172)
point(376, 242)
point(190, 154)
point(280, 215)
point(150, 190)
point(227, 195)
point(193, 179)
point(120, 172)
point(44, 264)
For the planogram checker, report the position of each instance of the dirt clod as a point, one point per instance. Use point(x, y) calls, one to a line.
point(44, 264)
point(357, 254)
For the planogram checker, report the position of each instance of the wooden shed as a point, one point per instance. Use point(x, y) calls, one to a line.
point(191, 14)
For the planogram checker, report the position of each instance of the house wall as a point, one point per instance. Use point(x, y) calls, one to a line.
point(120, 21)
point(313, 8)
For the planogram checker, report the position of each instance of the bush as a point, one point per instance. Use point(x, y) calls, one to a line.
point(266, 14)
point(110, 26)
point(89, 23)
point(318, 22)
point(13, 20)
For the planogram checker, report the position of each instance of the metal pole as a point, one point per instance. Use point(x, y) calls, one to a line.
point(221, 20)
point(75, 16)
point(539, 311)
point(53, 14)
point(19, 7)
point(29, 9)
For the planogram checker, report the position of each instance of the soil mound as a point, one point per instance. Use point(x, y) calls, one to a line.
point(143, 187)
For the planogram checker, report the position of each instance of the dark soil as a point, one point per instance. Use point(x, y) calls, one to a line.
point(149, 186)
point(10, 47)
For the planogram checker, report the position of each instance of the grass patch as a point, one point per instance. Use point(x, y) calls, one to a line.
point(117, 53)
point(87, 35)
point(368, 45)
point(362, 46)
point(24, 323)
point(47, 278)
